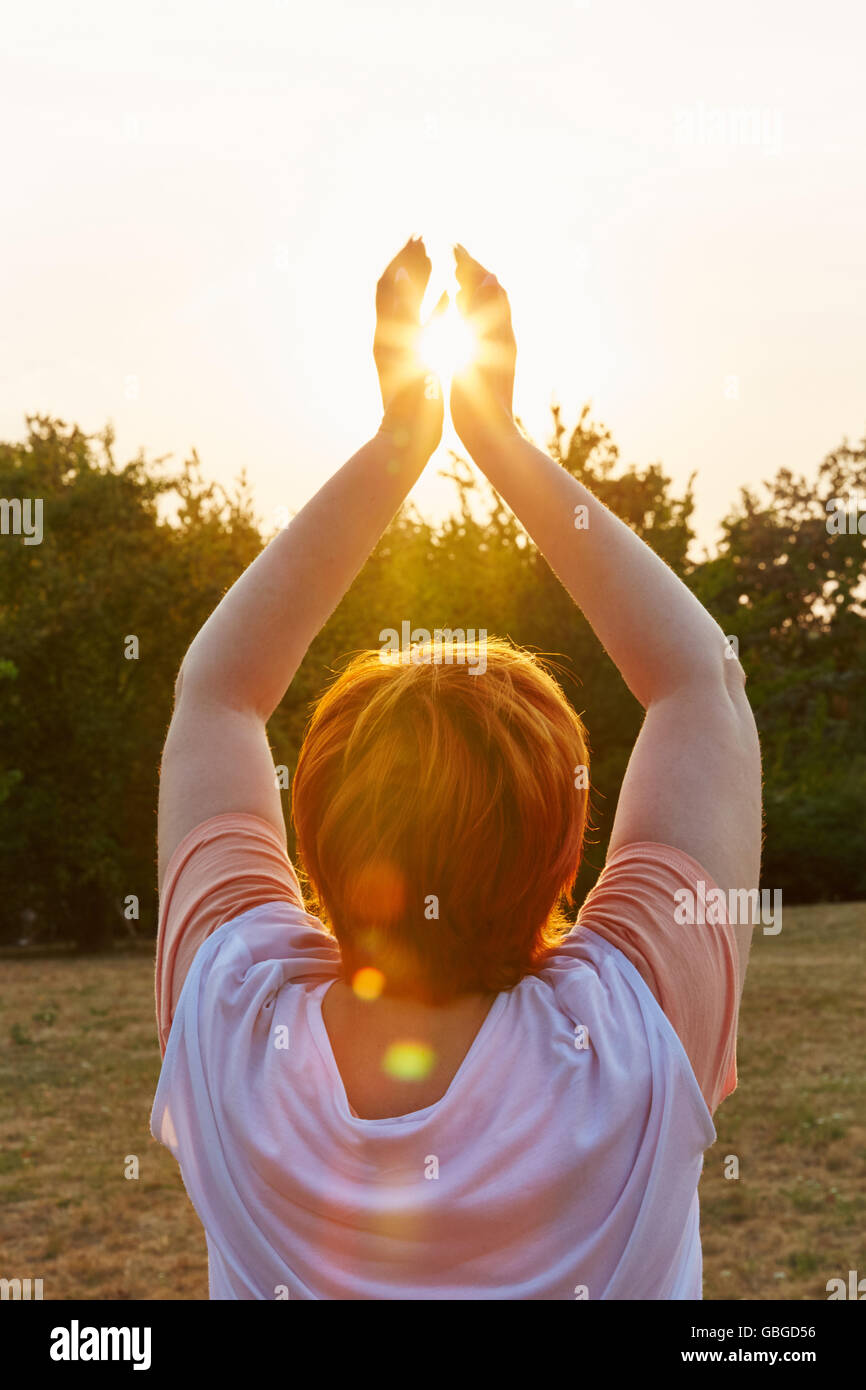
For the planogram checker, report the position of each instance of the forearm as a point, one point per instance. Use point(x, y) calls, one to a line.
point(654, 629)
point(248, 651)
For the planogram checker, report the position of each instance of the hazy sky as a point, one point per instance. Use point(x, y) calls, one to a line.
point(199, 197)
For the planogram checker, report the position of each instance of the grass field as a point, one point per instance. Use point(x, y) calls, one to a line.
point(80, 1063)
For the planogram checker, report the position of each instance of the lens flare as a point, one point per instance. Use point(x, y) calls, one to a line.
point(447, 344)
point(409, 1061)
point(368, 983)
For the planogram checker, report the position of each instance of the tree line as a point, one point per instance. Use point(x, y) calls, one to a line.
point(95, 619)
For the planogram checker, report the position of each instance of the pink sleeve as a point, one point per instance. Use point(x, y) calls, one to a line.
point(691, 969)
point(220, 870)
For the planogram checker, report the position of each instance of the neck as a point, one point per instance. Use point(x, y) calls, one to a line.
point(391, 1010)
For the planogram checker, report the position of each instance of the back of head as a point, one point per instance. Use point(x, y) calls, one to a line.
point(438, 816)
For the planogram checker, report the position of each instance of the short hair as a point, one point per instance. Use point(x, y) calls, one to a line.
point(438, 816)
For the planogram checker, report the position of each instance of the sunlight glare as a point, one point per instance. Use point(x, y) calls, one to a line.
point(447, 344)
point(409, 1060)
point(368, 982)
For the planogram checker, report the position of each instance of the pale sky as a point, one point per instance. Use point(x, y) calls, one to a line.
point(199, 197)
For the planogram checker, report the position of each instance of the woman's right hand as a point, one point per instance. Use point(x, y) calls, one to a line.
point(481, 395)
point(411, 394)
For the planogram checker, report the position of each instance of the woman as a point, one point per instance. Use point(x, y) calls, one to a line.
point(449, 1094)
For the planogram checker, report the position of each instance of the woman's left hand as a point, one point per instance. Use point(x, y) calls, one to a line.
point(411, 392)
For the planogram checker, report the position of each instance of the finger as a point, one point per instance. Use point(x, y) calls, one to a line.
point(480, 284)
point(481, 292)
point(488, 309)
point(484, 304)
point(402, 284)
point(396, 261)
point(470, 272)
point(439, 310)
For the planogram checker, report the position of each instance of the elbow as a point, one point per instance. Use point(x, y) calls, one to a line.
point(178, 684)
point(733, 671)
point(735, 685)
point(711, 665)
point(715, 669)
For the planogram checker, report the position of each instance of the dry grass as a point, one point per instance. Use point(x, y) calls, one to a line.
point(78, 1074)
point(796, 1216)
point(79, 1069)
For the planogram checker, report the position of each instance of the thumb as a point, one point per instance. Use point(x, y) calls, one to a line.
point(439, 310)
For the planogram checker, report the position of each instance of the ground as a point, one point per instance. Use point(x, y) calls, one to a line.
point(79, 1066)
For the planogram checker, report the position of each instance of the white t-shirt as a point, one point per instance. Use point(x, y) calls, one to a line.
point(562, 1162)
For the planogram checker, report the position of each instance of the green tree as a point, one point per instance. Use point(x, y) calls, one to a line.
point(144, 551)
point(792, 592)
point(132, 560)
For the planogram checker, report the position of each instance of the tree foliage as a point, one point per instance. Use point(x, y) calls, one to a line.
point(83, 723)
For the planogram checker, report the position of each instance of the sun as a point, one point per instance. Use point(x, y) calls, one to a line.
point(447, 344)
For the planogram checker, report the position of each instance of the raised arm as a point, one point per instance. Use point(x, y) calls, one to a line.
point(240, 664)
point(694, 778)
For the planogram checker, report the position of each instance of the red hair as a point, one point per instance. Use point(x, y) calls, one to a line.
point(439, 816)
